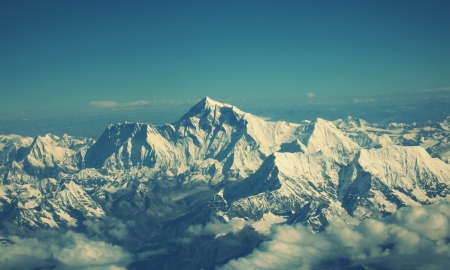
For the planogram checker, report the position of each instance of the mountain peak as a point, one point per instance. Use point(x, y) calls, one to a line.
point(209, 103)
point(207, 106)
point(322, 135)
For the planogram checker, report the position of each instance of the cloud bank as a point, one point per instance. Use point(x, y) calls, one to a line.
point(412, 238)
point(53, 250)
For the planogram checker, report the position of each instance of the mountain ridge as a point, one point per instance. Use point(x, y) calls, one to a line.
point(218, 162)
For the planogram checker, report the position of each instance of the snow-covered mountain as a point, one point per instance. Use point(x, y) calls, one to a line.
point(218, 161)
point(212, 142)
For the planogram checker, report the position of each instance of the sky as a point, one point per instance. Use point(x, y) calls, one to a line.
point(74, 55)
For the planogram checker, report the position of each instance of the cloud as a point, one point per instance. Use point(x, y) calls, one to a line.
point(218, 228)
point(120, 231)
point(83, 252)
point(310, 95)
point(109, 104)
point(442, 89)
point(183, 240)
point(109, 226)
point(104, 104)
point(114, 104)
point(412, 238)
point(135, 103)
point(356, 100)
point(52, 250)
point(151, 253)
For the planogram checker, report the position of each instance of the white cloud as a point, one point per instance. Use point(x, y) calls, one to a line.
point(135, 103)
point(104, 104)
point(218, 228)
point(310, 95)
point(84, 253)
point(109, 104)
point(114, 104)
point(63, 251)
point(412, 238)
point(120, 231)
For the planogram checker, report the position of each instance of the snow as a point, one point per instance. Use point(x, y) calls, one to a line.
point(47, 219)
point(3, 193)
point(29, 197)
point(110, 188)
point(382, 203)
point(323, 137)
point(402, 166)
point(428, 143)
point(62, 215)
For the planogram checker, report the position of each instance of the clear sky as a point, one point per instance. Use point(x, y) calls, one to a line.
point(57, 55)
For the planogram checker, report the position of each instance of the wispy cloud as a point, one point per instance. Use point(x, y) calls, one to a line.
point(218, 228)
point(108, 104)
point(110, 226)
point(114, 104)
point(150, 253)
point(104, 104)
point(442, 89)
point(135, 103)
point(359, 100)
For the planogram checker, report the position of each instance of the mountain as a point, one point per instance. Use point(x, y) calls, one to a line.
point(216, 138)
point(222, 165)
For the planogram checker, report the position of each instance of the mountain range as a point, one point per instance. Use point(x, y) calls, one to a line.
point(171, 186)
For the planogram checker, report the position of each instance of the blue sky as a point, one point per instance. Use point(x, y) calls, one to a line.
point(61, 55)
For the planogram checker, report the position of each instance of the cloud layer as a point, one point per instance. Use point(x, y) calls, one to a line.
point(62, 251)
point(412, 238)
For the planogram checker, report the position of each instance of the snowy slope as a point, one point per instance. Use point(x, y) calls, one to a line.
point(385, 179)
point(13, 147)
point(322, 137)
point(47, 203)
point(376, 181)
point(284, 184)
point(43, 154)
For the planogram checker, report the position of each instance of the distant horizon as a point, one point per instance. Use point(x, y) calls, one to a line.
point(308, 97)
point(91, 121)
